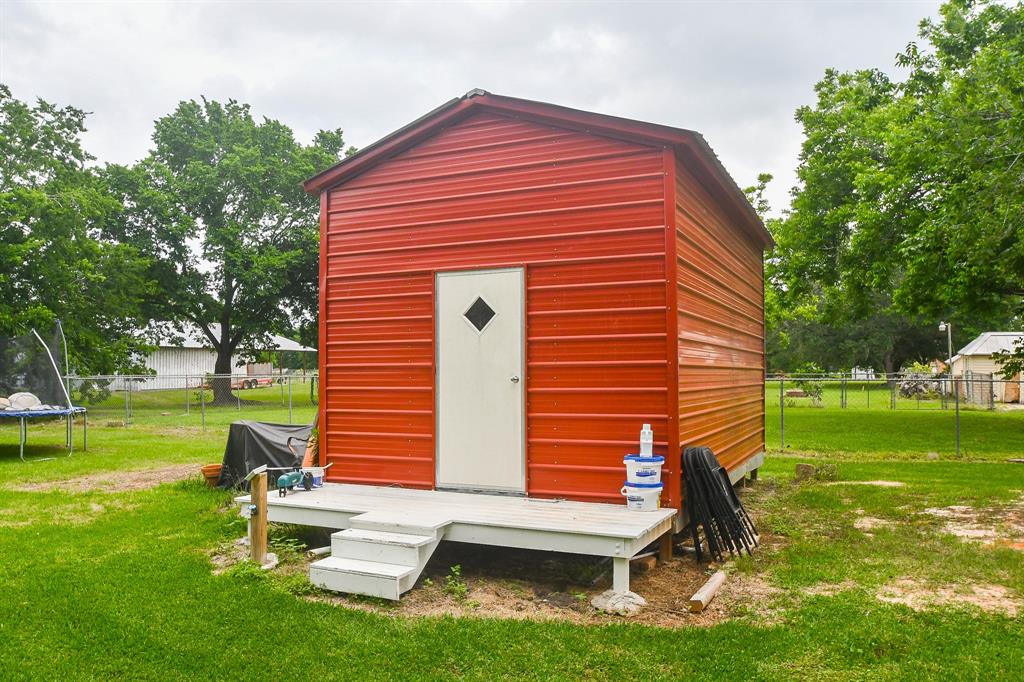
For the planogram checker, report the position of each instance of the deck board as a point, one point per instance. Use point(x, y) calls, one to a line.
point(607, 523)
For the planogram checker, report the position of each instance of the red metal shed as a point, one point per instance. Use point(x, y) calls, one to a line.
point(509, 289)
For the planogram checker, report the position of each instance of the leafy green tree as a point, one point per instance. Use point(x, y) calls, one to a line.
point(909, 207)
point(54, 261)
point(234, 240)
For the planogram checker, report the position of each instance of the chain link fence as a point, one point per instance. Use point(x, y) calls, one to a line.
point(895, 392)
point(197, 400)
point(799, 404)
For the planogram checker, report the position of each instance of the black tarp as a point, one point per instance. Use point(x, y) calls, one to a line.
point(252, 444)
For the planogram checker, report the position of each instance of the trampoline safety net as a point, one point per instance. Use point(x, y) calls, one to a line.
point(34, 363)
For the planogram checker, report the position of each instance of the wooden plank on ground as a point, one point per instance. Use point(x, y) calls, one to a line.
point(700, 600)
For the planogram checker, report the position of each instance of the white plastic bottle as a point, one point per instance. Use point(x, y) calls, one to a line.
point(646, 441)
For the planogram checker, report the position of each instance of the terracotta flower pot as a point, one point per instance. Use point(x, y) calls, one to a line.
point(211, 472)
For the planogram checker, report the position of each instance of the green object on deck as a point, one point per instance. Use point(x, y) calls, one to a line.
point(288, 480)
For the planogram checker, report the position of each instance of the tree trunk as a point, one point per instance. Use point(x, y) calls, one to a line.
point(221, 383)
point(888, 363)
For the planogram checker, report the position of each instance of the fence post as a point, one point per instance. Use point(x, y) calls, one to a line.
point(127, 402)
point(892, 393)
point(842, 393)
point(238, 394)
point(289, 400)
point(782, 414)
point(188, 399)
point(956, 400)
point(202, 401)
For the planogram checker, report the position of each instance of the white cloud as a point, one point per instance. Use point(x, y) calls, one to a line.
point(735, 71)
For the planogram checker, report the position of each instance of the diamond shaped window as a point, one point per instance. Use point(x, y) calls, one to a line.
point(479, 314)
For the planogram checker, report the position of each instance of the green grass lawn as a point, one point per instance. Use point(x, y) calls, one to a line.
point(888, 433)
point(108, 584)
point(192, 407)
point(152, 439)
point(868, 426)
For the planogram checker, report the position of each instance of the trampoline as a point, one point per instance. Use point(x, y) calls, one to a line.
point(31, 375)
point(67, 413)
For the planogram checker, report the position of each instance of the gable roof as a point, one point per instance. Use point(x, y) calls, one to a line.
point(193, 338)
point(687, 144)
point(992, 342)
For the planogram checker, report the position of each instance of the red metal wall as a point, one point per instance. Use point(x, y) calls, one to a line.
point(585, 215)
point(721, 326)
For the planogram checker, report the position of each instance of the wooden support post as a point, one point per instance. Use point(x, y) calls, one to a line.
point(703, 597)
point(620, 574)
point(258, 519)
point(665, 548)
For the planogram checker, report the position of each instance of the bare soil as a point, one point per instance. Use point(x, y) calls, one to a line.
point(920, 596)
point(561, 587)
point(139, 479)
point(867, 524)
point(229, 554)
point(997, 526)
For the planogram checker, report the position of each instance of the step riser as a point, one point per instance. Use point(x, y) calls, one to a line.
point(384, 587)
point(373, 551)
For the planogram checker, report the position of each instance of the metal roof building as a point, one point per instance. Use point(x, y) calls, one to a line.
point(509, 289)
point(975, 361)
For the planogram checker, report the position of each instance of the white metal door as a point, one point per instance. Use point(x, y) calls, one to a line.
point(480, 380)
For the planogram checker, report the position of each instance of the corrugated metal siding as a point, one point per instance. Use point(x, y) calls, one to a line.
point(583, 214)
point(721, 328)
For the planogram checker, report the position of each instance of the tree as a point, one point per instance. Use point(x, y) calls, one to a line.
point(234, 240)
point(54, 262)
point(909, 207)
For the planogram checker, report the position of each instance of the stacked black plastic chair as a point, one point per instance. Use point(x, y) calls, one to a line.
point(715, 510)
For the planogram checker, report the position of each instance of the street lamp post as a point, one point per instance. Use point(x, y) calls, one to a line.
point(948, 328)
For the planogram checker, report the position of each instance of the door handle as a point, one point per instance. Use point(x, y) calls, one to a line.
point(514, 379)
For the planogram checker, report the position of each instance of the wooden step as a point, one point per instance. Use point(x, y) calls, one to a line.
point(424, 523)
point(356, 576)
point(375, 545)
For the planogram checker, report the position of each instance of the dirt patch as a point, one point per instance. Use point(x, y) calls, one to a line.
point(879, 484)
point(561, 587)
point(116, 480)
point(229, 554)
point(919, 596)
point(869, 524)
point(997, 526)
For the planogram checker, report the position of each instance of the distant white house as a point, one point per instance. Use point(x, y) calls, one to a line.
point(975, 360)
point(190, 357)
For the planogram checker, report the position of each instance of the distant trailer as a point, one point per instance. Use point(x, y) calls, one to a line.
point(509, 289)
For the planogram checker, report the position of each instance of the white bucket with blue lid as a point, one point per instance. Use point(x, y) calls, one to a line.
point(318, 475)
point(643, 469)
point(642, 496)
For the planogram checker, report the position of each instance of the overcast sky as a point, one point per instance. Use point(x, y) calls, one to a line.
point(734, 71)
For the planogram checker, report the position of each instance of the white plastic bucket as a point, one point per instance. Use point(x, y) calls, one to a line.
point(642, 496)
point(640, 469)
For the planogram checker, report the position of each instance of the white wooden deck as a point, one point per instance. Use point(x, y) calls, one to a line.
point(386, 535)
point(563, 526)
